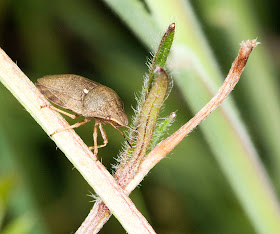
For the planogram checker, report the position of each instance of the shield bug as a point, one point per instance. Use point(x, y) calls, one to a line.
point(86, 98)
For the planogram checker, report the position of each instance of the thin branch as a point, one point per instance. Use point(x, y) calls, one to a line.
point(74, 148)
point(99, 214)
point(167, 145)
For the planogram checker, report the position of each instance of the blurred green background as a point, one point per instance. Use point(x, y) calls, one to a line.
point(40, 192)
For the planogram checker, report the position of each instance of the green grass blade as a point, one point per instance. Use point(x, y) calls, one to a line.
point(134, 14)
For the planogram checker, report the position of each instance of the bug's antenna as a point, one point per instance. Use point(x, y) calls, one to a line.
point(132, 129)
point(122, 134)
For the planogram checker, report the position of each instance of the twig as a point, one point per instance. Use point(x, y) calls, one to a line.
point(74, 148)
point(99, 214)
point(166, 146)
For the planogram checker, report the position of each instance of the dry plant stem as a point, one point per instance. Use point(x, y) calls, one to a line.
point(167, 145)
point(73, 147)
point(100, 213)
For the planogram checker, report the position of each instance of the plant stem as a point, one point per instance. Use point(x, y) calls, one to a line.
point(147, 122)
point(99, 214)
point(71, 144)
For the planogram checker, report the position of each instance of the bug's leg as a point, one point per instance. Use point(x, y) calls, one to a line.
point(61, 111)
point(95, 134)
point(76, 125)
point(104, 136)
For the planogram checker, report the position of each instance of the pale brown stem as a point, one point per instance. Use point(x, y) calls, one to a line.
point(74, 148)
point(99, 214)
point(163, 148)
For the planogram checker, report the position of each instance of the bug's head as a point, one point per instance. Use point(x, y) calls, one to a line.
point(118, 119)
point(104, 103)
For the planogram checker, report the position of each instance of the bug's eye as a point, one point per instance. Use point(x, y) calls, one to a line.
point(108, 117)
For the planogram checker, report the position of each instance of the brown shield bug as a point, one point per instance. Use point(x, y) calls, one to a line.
point(84, 98)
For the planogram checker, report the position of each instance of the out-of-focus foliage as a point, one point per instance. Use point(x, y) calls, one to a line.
point(185, 193)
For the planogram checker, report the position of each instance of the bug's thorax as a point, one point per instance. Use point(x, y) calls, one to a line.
point(104, 104)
